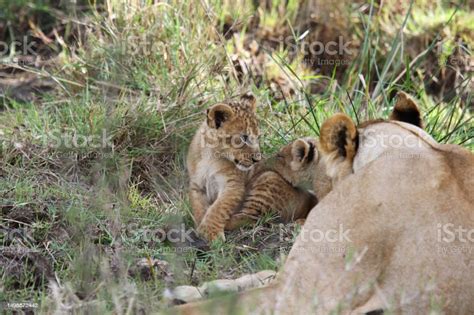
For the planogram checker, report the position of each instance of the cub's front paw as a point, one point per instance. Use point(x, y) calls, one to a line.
point(210, 232)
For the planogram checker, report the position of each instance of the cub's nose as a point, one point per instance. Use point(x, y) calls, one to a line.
point(256, 157)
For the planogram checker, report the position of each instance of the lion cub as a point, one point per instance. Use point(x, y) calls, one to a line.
point(280, 184)
point(220, 157)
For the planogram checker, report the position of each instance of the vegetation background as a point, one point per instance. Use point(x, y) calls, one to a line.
point(99, 101)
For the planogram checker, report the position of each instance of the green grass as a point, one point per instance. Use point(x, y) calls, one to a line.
point(142, 79)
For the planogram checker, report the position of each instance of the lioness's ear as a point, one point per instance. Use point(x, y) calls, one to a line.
point(302, 151)
point(406, 110)
point(339, 137)
point(218, 114)
point(250, 99)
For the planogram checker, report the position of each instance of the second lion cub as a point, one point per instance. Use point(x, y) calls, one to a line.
point(280, 184)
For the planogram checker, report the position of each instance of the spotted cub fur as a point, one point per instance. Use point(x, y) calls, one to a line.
point(220, 157)
point(280, 184)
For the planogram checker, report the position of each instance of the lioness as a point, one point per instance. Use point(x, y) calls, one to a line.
point(395, 193)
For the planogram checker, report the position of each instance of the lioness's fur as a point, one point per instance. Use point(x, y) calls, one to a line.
point(220, 157)
point(394, 202)
point(406, 110)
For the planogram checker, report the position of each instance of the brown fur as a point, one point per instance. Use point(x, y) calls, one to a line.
point(338, 144)
point(406, 110)
point(220, 157)
point(276, 186)
point(338, 134)
point(268, 192)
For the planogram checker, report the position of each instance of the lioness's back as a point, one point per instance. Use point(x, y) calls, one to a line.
point(394, 235)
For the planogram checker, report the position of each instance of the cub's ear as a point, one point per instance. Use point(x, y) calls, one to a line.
point(218, 114)
point(303, 151)
point(250, 100)
point(339, 137)
point(406, 110)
